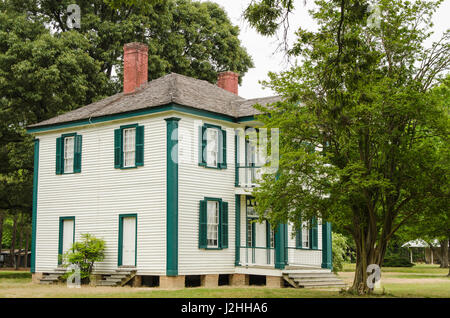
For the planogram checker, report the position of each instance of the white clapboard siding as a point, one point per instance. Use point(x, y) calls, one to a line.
point(196, 183)
point(97, 195)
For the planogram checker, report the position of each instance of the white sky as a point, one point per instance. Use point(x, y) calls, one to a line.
point(262, 49)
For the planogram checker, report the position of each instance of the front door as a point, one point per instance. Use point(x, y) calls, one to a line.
point(67, 235)
point(129, 241)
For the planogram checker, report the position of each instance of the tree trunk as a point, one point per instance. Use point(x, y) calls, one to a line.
point(19, 243)
point(444, 253)
point(13, 242)
point(27, 241)
point(1, 231)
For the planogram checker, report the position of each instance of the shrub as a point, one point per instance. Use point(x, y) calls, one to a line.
point(340, 251)
point(84, 254)
point(397, 261)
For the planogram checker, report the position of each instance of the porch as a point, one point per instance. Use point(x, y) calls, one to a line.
point(261, 248)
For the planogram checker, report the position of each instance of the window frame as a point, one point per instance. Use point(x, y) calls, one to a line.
point(121, 164)
point(204, 148)
point(220, 238)
point(216, 224)
point(60, 158)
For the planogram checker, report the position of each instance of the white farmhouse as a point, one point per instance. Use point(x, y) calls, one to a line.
point(158, 173)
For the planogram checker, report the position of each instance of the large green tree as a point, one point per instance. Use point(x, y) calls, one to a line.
point(361, 98)
point(191, 38)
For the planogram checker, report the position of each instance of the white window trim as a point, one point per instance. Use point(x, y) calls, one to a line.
point(212, 224)
point(305, 236)
point(69, 154)
point(129, 147)
point(212, 147)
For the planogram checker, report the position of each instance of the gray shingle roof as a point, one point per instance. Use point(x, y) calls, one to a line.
point(171, 88)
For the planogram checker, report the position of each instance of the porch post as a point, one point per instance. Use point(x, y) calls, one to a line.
point(237, 230)
point(280, 247)
point(326, 246)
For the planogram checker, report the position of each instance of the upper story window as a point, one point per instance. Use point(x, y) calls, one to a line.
point(129, 146)
point(68, 153)
point(212, 147)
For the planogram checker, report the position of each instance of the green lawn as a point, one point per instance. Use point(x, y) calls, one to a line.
point(419, 281)
point(416, 269)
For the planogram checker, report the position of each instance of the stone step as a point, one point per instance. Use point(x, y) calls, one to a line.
point(317, 279)
point(119, 276)
point(106, 283)
point(311, 275)
point(322, 284)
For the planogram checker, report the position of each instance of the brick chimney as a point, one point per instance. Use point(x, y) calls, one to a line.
point(135, 66)
point(228, 81)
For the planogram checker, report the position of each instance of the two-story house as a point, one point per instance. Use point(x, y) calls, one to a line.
point(159, 173)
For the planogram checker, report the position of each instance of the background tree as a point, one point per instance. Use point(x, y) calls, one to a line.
point(362, 98)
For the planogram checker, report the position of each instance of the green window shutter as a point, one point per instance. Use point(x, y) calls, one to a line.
point(77, 153)
point(117, 148)
point(59, 159)
point(224, 224)
point(223, 150)
point(313, 234)
point(202, 229)
point(201, 145)
point(298, 237)
point(139, 145)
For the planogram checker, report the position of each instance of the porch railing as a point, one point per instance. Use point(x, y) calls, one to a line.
point(259, 256)
point(247, 176)
point(303, 256)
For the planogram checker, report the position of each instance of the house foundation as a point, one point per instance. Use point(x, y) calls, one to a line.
point(137, 281)
point(172, 282)
point(210, 281)
point(239, 280)
point(274, 281)
point(36, 277)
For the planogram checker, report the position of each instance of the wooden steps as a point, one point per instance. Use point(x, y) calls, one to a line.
point(50, 278)
point(119, 278)
point(313, 279)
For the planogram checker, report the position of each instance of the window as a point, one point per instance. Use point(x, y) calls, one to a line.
point(213, 227)
point(305, 236)
point(251, 216)
point(68, 153)
point(272, 237)
point(212, 147)
point(250, 229)
point(129, 146)
point(213, 224)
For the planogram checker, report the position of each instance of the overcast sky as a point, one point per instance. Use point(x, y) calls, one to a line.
point(262, 48)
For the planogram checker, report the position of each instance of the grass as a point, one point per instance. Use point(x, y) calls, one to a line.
point(419, 281)
point(416, 269)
